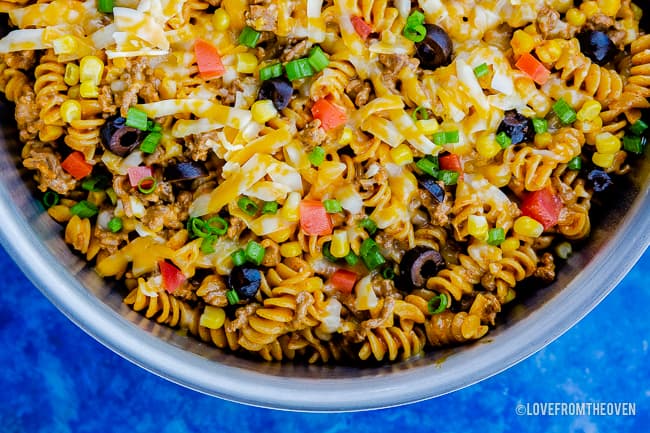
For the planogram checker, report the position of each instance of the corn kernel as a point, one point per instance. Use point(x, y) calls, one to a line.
point(71, 76)
point(168, 88)
point(340, 246)
point(73, 92)
point(590, 8)
point(281, 235)
point(589, 111)
point(346, 136)
point(96, 197)
point(91, 69)
point(60, 213)
point(604, 160)
point(487, 146)
point(543, 140)
point(609, 7)
point(562, 5)
point(510, 245)
point(291, 209)
point(522, 42)
point(477, 226)
point(576, 17)
point(50, 132)
point(65, 45)
point(498, 175)
point(263, 111)
point(221, 20)
point(212, 317)
point(401, 154)
point(70, 110)
point(427, 126)
point(88, 89)
point(314, 283)
point(549, 51)
point(246, 63)
point(606, 142)
point(290, 249)
point(526, 226)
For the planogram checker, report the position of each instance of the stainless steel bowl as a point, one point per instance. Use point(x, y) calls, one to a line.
point(621, 234)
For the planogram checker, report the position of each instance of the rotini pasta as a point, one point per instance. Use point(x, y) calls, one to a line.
point(325, 181)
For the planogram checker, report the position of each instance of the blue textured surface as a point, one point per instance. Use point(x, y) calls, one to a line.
point(55, 378)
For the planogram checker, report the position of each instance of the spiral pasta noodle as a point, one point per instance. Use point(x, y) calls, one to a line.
point(324, 181)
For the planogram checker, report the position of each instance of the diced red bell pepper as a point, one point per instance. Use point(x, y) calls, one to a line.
point(330, 115)
point(314, 219)
point(136, 174)
point(172, 276)
point(532, 67)
point(361, 27)
point(344, 280)
point(208, 60)
point(544, 206)
point(75, 164)
point(451, 162)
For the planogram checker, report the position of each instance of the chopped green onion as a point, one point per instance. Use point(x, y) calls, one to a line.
point(136, 119)
point(575, 163)
point(452, 137)
point(196, 227)
point(271, 71)
point(368, 225)
point(238, 257)
point(564, 111)
point(634, 144)
point(428, 166)
point(153, 126)
point(232, 297)
point(142, 185)
point(370, 254)
point(481, 70)
point(437, 304)
point(115, 224)
point(207, 244)
point(388, 273)
point(420, 113)
point(297, 69)
point(247, 205)
point(496, 236)
point(327, 253)
point(84, 209)
point(317, 156)
point(503, 140)
point(563, 250)
point(352, 259)
point(317, 59)
point(150, 142)
point(540, 126)
point(270, 207)
point(50, 198)
point(440, 138)
point(216, 226)
point(254, 252)
point(105, 6)
point(110, 192)
point(448, 177)
point(249, 37)
point(95, 183)
point(414, 29)
point(638, 127)
point(332, 206)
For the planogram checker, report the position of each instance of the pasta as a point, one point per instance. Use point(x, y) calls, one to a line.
point(325, 180)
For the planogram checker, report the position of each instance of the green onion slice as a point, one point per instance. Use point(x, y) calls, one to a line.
point(147, 185)
point(50, 198)
point(297, 69)
point(254, 252)
point(249, 37)
point(136, 119)
point(238, 257)
point(437, 304)
point(271, 71)
point(317, 156)
point(332, 206)
point(84, 209)
point(115, 224)
point(247, 205)
point(496, 236)
point(564, 111)
point(317, 59)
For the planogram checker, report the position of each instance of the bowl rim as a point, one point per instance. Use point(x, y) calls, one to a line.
point(609, 265)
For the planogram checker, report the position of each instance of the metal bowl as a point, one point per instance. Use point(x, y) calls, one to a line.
point(621, 234)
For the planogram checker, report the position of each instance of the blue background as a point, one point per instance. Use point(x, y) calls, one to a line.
point(55, 378)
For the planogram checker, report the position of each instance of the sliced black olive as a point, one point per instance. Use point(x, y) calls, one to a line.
point(418, 265)
point(119, 138)
point(184, 171)
point(599, 180)
point(278, 90)
point(517, 126)
point(245, 281)
point(435, 49)
point(431, 185)
point(597, 46)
